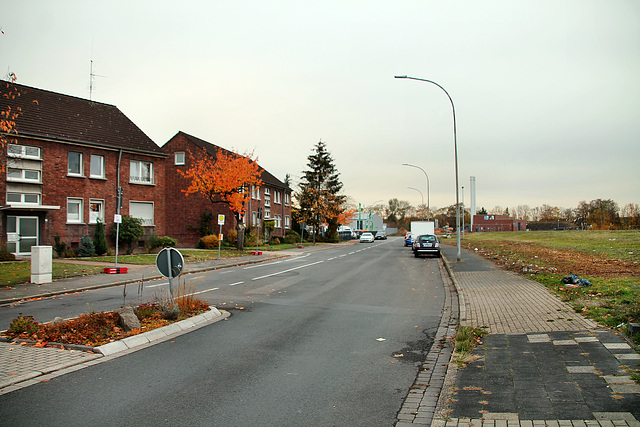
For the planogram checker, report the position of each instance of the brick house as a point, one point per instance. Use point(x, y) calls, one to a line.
point(184, 213)
point(62, 170)
point(497, 223)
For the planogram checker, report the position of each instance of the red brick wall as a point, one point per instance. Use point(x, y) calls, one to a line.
point(183, 213)
point(57, 187)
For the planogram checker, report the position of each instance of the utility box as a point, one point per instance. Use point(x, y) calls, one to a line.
point(41, 264)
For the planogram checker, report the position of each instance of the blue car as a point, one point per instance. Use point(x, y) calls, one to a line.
point(408, 239)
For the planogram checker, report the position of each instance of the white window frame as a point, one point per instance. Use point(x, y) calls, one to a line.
point(179, 158)
point(254, 218)
point(23, 198)
point(24, 151)
point(146, 222)
point(138, 179)
point(102, 166)
point(94, 215)
point(73, 173)
point(277, 197)
point(287, 199)
point(80, 216)
point(255, 192)
point(23, 175)
point(287, 222)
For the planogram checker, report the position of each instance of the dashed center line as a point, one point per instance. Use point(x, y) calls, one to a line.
point(285, 271)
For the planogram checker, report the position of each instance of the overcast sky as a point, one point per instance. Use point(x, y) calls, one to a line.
point(547, 93)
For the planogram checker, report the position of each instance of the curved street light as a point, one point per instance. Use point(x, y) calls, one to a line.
point(421, 195)
point(425, 174)
point(455, 149)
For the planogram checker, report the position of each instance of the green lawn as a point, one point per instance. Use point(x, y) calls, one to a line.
point(15, 272)
point(12, 273)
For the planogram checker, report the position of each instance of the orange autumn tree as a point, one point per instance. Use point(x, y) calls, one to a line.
point(225, 178)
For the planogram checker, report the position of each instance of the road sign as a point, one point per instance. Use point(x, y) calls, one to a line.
point(170, 262)
point(220, 219)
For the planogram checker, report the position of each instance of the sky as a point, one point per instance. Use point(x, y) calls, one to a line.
point(546, 93)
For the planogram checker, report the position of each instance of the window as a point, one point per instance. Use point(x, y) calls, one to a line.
point(74, 164)
point(286, 221)
point(267, 199)
point(267, 192)
point(254, 217)
point(141, 172)
point(30, 175)
point(142, 210)
point(74, 211)
point(267, 214)
point(23, 151)
point(277, 197)
point(97, 166)
point(178, 158)
point(30, 198)
point(255, 192)
point(287, 199)
point(96, 211)
point(278, 221)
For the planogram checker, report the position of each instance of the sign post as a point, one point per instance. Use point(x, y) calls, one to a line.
point(170, 264)
point(220, 223)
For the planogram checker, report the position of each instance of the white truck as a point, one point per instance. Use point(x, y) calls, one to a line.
point(422, 227)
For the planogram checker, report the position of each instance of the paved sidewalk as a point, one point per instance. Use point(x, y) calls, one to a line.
point(541, 364)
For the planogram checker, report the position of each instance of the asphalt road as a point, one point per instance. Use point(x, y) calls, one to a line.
point(329, 339)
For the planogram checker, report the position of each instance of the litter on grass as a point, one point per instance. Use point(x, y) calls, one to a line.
point(574, 281)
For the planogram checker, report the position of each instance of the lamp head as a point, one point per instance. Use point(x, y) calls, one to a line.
point(400, 77)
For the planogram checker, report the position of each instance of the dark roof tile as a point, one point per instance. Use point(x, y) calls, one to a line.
point(66, 118)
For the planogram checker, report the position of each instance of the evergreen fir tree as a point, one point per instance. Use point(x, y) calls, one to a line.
point(99, 239)
point(319, 198)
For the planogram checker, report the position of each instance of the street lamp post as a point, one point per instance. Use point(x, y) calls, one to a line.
point(425, 174)
point(421, 195)
point(455, 149)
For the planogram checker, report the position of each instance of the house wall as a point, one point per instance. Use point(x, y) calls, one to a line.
point(58, 186)
point(184, 212)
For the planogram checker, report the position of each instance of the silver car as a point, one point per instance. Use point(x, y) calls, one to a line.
point(366, 237)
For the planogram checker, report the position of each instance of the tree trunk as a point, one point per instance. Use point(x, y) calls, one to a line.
point(240, 227)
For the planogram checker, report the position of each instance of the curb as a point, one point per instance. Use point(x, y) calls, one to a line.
point(113, 349)
point(155, 335)
point(421, 404)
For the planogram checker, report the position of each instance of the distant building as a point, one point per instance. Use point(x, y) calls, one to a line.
point(484, 223)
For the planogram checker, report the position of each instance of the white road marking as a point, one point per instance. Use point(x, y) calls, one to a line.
point(285, 271)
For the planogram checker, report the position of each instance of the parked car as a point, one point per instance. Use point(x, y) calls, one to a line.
point(408, 239)
point(426, 244)
point(381, 235)
point(366, 237)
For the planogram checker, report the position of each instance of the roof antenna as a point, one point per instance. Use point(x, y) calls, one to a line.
point(92, 77)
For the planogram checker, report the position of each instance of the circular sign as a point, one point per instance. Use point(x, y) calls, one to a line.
point(170, 262)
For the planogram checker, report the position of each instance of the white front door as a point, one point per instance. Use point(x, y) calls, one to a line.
point(22, 233)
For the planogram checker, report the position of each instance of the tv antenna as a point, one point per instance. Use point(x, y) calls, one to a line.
point(92, 77)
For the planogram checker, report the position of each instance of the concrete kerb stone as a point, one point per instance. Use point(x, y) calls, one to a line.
point(212, 316)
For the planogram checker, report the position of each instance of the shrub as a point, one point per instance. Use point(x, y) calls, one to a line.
point(23, 325)
point(160, 242)
point(165, 242)
point(210, 241)
point(60, 247)
point(99, 239)
point(130, 231)
point(274, 241)
point(7, 256)
point(86, 247)
point(205, 223)
point(232, 236)
point(292, 237)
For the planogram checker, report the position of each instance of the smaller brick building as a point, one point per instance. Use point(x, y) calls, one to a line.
point(184, 213)
point(497, 223)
